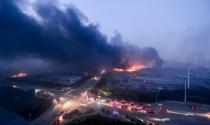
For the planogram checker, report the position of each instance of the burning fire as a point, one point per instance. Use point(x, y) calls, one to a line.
point(132, 68)
point(19, 75)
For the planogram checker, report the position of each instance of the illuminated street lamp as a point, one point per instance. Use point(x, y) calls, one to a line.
point(61, 119)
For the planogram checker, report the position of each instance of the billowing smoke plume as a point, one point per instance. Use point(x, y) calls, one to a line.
point(48, 36)
point(134, 55)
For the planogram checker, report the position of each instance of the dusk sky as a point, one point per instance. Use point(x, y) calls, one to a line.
point(179, 29)
point(76, 32)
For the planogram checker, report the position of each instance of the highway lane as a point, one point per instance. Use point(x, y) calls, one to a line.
point(67, 101)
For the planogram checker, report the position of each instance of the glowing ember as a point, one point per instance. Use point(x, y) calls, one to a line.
point(19, 75)
point(208, 114)
point(61, 119)
point(132, 68)
point(103, 72)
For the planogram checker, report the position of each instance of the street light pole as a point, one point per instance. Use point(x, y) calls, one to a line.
point(185, 92)
point(188, 78)
point(156, 99)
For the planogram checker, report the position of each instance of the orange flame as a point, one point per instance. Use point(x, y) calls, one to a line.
point(132, 68)
point(19, 75)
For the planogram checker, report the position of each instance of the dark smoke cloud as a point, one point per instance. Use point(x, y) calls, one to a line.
point(60, 41)
point(133, 54)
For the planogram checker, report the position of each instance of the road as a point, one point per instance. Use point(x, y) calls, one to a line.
point(178, 113)
point(68, 101)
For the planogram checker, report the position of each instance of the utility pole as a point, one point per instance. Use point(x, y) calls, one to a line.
point(156, 99)
point(185, 92)
point(188, 78)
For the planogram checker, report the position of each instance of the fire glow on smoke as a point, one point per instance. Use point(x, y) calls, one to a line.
point(131, 68)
